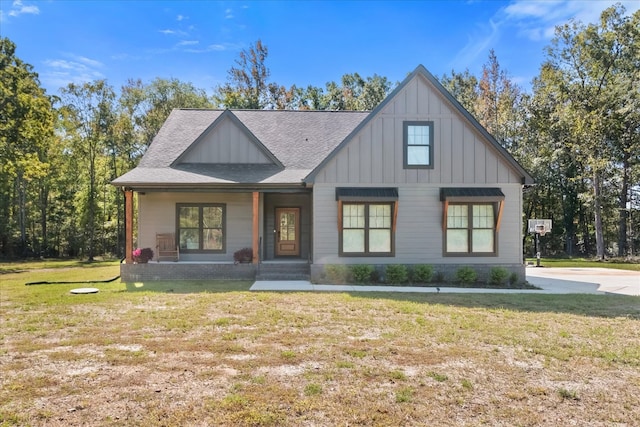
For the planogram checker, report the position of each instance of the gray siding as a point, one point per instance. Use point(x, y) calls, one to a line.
point(375, 154)
point(157, 214)
point(227, 143)
point(419, 235)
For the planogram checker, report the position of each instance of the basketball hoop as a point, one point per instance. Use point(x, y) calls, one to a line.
point(539, 227)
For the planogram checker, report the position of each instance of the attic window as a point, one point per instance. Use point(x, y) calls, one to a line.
point(418, 145)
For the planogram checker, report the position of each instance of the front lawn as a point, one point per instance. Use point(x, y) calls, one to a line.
point(214, 353)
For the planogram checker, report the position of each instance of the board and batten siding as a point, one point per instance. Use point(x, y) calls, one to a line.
point(225, 144)
point(419, 235)
point(157, 214)
point(375, 154)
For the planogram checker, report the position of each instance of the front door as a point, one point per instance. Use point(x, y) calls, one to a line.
point(287, 231)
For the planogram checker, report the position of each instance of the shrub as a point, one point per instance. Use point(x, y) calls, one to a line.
point(396, 273)
point(466, 275)
point(243, 255)
point(438, 277)
point(142, 256)
point(337, 273)
point(498, 276)
point(513, 279)
point(422, 273)
point(361, 273)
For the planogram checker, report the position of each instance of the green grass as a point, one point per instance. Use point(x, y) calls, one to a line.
point(213, 353)
point(587, 263)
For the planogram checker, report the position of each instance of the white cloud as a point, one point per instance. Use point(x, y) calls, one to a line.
point(480, 41)
point(180, 18)
point(215, 47)
point(530, 20)
point(18, 8)
point(76, 69)
point(228, 14)
point(537, 20)
point(188, 42)
point(170, 32)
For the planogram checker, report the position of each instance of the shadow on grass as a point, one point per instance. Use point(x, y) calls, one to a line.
point(608, 306)
point(189, 286)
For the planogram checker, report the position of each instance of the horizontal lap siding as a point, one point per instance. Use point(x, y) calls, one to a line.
point(157, 214)
point(419, 234)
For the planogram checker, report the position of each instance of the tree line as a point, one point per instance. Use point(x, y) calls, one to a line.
point(577, 133)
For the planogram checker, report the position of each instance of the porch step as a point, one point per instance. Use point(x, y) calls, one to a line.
point(283, 271)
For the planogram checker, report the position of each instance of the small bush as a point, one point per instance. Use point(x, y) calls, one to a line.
point(142, 256)
point(361, 273)
point(422, 273)
point(498, 276)
point(466, 275)
point(513, 279)
point(243, 255)
point(438, 277)
point(337, 273)
point(396, 274)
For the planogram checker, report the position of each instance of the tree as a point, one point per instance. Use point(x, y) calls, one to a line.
point(247, 85)
point(26, 130)
point(464, 88)
point(89, 116)
point(148, 106)
point(589, 68)
point(498, 102)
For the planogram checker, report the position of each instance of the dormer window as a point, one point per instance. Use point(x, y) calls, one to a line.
point(418, 145)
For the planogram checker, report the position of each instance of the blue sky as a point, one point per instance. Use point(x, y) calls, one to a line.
point(310, 42)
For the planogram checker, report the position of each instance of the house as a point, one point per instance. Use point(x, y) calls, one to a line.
point(415, 181)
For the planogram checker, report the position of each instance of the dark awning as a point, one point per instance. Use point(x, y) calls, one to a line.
point(471, 194)
point(365, 194)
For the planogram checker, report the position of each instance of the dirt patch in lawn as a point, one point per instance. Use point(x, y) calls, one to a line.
point(241, 358)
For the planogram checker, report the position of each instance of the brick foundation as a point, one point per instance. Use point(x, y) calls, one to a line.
point(186, 271)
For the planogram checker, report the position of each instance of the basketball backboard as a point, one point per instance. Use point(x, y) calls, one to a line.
point(540, 226)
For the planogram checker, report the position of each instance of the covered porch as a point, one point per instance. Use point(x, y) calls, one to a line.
point(274, 223)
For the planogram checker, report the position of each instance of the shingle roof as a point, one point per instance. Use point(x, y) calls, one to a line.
point(300, 140)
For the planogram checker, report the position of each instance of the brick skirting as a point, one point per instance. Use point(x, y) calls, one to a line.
point(186, 271)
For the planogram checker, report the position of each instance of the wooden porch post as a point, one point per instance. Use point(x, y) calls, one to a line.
point(128, 220)
point(256, 226)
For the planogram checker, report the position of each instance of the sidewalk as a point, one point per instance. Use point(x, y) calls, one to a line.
point(597, 281)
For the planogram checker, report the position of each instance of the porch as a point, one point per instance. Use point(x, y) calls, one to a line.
point(274, 223)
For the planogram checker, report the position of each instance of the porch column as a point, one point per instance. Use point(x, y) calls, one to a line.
point(128, 221)
point(256, 226)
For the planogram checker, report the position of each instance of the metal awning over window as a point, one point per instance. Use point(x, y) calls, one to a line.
point(472, 194)
point(367, 194)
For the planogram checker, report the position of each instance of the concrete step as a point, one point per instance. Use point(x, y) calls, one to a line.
point(283, 271)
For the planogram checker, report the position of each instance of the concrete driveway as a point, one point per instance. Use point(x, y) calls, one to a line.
point(585, 280)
